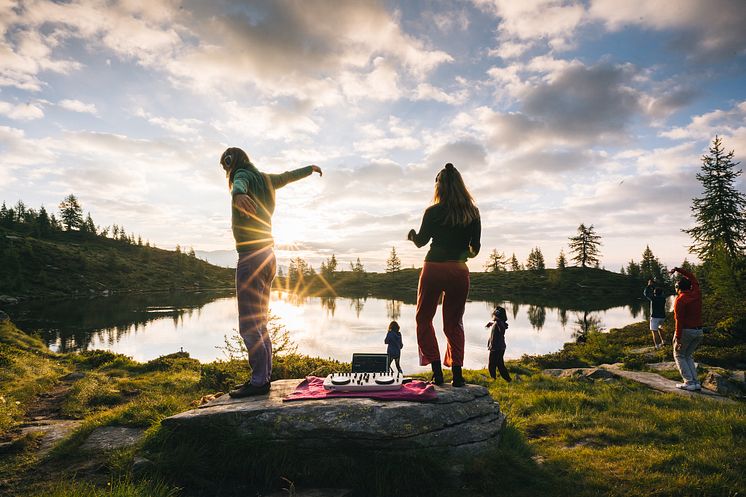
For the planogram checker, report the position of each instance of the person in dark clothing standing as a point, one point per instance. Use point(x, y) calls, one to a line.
point(496, 344)
point(657, 310)
point(454, 225)
point(253, 203)
point(395, 344)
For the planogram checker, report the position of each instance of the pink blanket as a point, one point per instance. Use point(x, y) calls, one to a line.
point(313, 388)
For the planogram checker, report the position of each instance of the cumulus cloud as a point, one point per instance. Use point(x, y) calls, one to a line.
point(283, 47)
point(704, 29)
point(526, 24)
point(576, 105)
point(21, 112)
point(78, 106)
point(706, 126)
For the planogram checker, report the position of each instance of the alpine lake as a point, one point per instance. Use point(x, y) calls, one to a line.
point(146, 326)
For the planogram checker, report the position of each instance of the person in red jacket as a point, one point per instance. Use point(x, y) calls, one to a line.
point(687, 311)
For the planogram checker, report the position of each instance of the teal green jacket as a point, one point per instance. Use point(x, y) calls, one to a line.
point(255, 232)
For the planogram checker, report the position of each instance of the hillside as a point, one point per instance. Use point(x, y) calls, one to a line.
point(74, 263)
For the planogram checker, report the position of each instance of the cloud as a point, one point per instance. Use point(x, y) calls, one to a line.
point(426, 91)
point(289, 48)
point(174, 125)
point(78, 106)
point(536, 22)
point(575, 105)
point(273, 121)
point(22, 112)
point(703, 29)
point(706, 126)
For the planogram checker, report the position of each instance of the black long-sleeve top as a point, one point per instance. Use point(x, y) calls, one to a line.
point(450, 243)
point(657, 303)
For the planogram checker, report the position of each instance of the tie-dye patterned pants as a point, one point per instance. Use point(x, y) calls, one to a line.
point(254, 274)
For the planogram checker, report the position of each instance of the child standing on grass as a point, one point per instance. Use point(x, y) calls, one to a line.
point(657, 310)
point(395, 344)
point(496, 343)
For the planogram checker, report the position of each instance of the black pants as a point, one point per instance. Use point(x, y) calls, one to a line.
point(398, 366)
point(496, 361)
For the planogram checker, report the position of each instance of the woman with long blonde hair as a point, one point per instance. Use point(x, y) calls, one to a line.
point(253, 203)
point(455, 227)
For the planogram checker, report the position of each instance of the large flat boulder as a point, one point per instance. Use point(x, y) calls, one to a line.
point(460, 419)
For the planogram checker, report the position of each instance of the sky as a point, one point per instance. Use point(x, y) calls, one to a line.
point(555, 112)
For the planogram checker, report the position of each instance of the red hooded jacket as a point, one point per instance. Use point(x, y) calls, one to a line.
point(687, 308)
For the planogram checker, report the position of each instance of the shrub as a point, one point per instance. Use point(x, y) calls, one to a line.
point(172, 362)
point(92, 359)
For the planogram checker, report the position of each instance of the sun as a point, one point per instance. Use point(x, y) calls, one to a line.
point(287, 230)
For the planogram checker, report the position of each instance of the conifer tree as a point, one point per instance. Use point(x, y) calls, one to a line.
point(584, 246)
point(535, 260)
point(71, 213)
point(720, 214)
point(514, 264)
point(393, 263)
point(496, 261)
point(561, 260)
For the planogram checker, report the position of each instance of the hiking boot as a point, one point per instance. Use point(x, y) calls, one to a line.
point(458, 379)
point(249, 390)
point(437, 373)
point(687, 386)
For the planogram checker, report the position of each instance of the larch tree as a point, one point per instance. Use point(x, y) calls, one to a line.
point(584, 246)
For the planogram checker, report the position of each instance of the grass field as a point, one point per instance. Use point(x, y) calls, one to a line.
point(563, 437)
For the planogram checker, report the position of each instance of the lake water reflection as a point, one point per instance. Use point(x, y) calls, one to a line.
point(146, 327)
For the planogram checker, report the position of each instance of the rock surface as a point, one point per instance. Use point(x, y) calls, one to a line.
point(580, 373)
point(658, 382)
point(109, 438)
point(732, 383)
point(460, 419)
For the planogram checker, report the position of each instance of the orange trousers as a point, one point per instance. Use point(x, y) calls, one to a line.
point(452, 280)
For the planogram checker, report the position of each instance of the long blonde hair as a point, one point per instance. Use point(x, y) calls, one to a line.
point(451, 192)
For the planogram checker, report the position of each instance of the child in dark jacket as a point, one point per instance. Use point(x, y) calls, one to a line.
point(657, 310)
point(496, 343)
point(395, 344)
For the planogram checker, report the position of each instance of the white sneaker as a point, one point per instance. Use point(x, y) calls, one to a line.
point(687, 386)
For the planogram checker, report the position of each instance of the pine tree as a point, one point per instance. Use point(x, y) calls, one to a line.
point(561, 260)
point(496, 261)
point(71, 213)
point(633, 270)
point(584, 246)
point(514, 264)
point(535, 261)
point(43, 224)
point(393, 263)
point(329, 267)
point(651, 268)
point(720, 214)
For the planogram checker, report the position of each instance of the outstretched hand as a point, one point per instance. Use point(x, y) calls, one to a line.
point(673, 270)
point(245, 204)
point(317, 169)
point(410, 236)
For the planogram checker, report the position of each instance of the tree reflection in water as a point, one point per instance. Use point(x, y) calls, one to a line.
point(330, 304)
point(585, 324)
point(563, 317)
point(74, 324)
point(357, 304)
point(537, 316)
point(393, 309)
